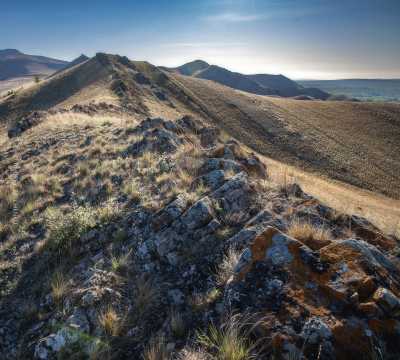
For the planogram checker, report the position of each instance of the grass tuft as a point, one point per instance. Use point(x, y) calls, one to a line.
point(110, 321)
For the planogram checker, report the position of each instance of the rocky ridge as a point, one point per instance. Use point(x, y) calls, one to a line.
point(219, 248)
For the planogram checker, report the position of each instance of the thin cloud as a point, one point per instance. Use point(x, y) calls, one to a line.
point(234, 17)
point(231, 17)
point(202, 44)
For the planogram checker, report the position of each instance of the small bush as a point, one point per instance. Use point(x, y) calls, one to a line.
point(66, 230)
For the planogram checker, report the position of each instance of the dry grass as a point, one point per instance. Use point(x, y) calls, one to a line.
point(146, 296)
point(225, 269)
point(8, 198)
point(110, 322)
point(59, 288)
point(177, 324)
point(133, 191)
point(156, 350)
point(119, 264)
point(229, 342)
point(56, 122)
point(200, 301)
point(311, 235)
point(368, 160)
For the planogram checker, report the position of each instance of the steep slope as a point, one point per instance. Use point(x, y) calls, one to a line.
point(79, 60)
point(135, 86)
point(356, 143)
point(14, 64)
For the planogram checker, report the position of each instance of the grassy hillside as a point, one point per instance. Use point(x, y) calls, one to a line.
point(353, 142)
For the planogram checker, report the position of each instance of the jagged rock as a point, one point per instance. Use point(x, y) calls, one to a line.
point(221, 164)
point(47, 347)
point(235, 198)
point(155, 140)
point(389, 302)
point(317, 337)
point(233, 151)
point(171, 212)
point(212, 180)
point(315, 330)
point(26, 123)
point(198, 215)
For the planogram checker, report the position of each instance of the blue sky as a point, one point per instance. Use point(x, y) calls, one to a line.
point(299, 38)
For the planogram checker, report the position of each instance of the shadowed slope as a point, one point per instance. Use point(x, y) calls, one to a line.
point(13, 64)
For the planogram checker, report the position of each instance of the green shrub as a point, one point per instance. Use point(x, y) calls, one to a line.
point(64, 230)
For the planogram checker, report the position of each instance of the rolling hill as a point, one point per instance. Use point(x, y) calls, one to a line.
point(260, 84)
point(317, 136)
point(14, 64)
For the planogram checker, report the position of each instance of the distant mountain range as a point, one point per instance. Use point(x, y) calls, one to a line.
point(261, 84)
point(15, 64)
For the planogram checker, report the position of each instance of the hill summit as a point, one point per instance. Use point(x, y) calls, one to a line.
point(261, 84)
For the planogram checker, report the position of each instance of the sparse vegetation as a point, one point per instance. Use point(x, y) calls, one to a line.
point(110, 322)
point(226, 268)
point(230, 342)
point(59, 287)
point(66, 229)
point(311, 235)
point(146, 296)
point(177, 323)
point(156, 350)
point(119, 263)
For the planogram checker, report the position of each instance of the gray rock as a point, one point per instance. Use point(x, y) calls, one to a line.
point(198, 215)
point(221, 164)
point(176, 296)
point(78, 320)
point(170, 213)
point(386, 300)
point(315, 331)
point(212, 180)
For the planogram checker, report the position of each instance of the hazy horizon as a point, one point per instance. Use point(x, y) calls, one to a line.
point(304, 40)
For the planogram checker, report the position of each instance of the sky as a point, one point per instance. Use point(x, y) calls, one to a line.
point(302, 39)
